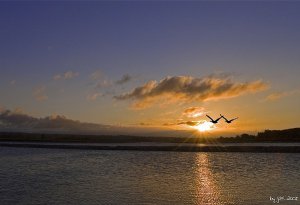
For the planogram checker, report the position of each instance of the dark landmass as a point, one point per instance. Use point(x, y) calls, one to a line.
point(168, 148)
point(177, 144)
point(287, 135)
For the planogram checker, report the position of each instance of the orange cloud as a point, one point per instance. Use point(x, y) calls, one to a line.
point(189, 89)
point(193, 112)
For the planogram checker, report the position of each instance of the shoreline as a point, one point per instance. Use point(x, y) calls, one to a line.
point(281, 137)
point(175, 147)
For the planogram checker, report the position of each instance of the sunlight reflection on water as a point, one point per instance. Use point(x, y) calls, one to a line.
point(207, 190)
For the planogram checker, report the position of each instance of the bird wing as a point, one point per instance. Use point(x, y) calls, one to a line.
point(219, 118)
point(233, 119)
point(209, 117)
point(225, 118)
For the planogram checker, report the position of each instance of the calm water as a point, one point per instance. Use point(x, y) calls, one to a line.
point(50, 176)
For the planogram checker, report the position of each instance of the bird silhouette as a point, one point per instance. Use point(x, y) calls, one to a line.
point(226, 120)
point(214, 121)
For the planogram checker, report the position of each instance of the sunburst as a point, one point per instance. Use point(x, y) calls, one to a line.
point(205, 126)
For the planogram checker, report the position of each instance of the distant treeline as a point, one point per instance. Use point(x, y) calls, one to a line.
point(288, 135)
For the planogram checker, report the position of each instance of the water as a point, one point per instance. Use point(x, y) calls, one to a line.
point(56, 176)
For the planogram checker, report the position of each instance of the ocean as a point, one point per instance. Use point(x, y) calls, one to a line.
point(56, 176)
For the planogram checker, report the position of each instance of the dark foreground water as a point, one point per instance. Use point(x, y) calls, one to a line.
point(55, 176)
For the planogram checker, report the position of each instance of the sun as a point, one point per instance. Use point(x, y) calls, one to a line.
point(205, 126)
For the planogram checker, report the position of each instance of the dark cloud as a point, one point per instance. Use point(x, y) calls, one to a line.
point(189, 89)
point(17, 119)
point(189, 123)
point(125, 78)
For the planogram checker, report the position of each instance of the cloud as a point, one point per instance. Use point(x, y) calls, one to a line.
point(66, 75)
point(102, 84)
point(40, 93)
point(145, 124)
point(7, 118)
point(18, 119)
point(99, 81)
point(278, 95)
point(189, 123)
point(193, 112)
point(96, 75)
point(93, 96)
point(189, 89)
point(57, 77)
point(201, 125)
point(125, 78)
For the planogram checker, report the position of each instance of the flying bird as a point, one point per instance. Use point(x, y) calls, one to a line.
point(214, 121)
point(226, 120)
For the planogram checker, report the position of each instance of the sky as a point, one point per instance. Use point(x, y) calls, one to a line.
point(151, 65)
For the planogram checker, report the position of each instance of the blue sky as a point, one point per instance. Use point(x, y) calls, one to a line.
point(149, 41)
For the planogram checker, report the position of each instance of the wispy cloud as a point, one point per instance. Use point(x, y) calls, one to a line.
point(104, 83)
point(66, 75)
point(278, 95)
point(99, 80)
point(39, 93)
point(93, 96)
point(125, 78)
point(96, 75)
point(189, 89)
point(57, 77)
